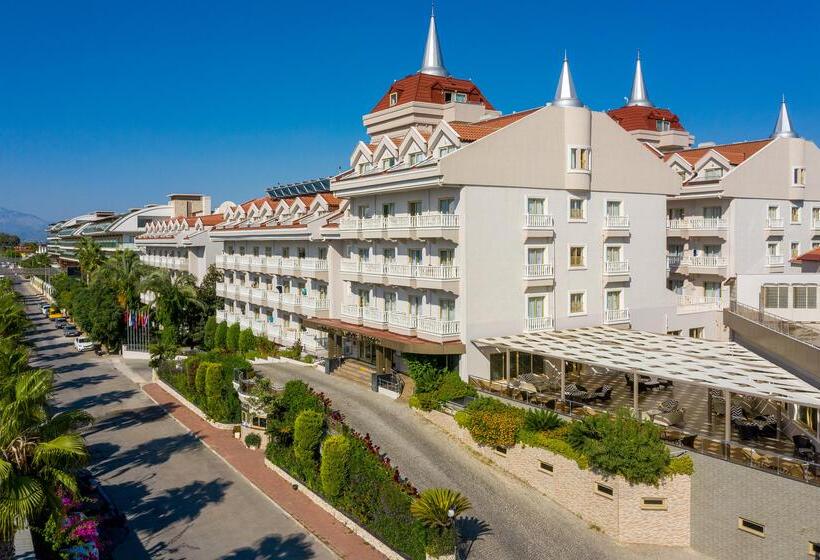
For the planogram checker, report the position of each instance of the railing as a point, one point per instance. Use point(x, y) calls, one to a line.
point(439, 327)
point(538, 221)
point(774, 223)
point(390, 382)
point(705, 261)
point(374, 314)
point(775, 260)
point(538, 271)
point(242, 292)
point(221, 290)
point(315, 302)
point(258, 327)
point(616, 267)
point(272, 298)
point(402, 320)
point(673, 261)
point(700, 301)
point(272, 330)
point(312, 264)
point(289, 263)
point(244, 322)
point(403, 221)
point(776, 323)
point(291, 298)
point(350, 265)
point(427, 272)
point(352, 311)
point(242, 262)
point(437, 272)
point(535, 324)
point(258, 296)
point(616, 316)
point(378, 269)
point(815, 223)
point(231, 317)
point(697, 223)
point(616, 222)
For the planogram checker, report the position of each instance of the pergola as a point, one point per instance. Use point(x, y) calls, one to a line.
point(725, 366)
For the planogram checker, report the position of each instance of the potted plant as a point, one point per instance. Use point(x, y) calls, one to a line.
point(437, 509)
point(253, 440)
point(237, 432)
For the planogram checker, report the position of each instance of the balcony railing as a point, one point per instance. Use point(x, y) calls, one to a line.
point(616, 267)
point(538, 221)
point(402, 320)
point(612, 316)
point(221, 291)
point(289, 263)
point(774, 223)
point(272, 330)
point(712, 302)
point(543, 270)
point(258, 327)
point(242, 292)
point(438, 327)
point(258, 296)
point(311, 264)
point(292, 298)
point(352, 311)
point(272, 298)
point(673, 261)
point(429, 272)
point(775, 260)
point(315, 302)
point(815, 223)
point(693, 222)
point(220, 315)
point(535, 324)
point(402, 221)
point(378, 269)
point(616, 222)
point(374, 314)
point(705, 261)
point(244, 322)
point(436, 272)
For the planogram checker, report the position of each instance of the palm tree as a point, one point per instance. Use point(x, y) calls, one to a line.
point(13, 320)
point(39, 454)
point(90, 256)
point(437, 509)
point(124, 271)
point(175, 298)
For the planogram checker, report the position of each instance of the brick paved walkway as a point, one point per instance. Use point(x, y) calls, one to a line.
point(251, 465)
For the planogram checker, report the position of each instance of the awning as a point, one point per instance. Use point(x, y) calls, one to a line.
point(402, 343)
point(718, 365)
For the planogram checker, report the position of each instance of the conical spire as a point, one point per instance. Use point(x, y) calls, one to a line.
point(565, 92)
point(783, 128)
point(433, 62)
point(639, 96)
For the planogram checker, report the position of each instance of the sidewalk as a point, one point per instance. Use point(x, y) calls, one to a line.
point(250, 464)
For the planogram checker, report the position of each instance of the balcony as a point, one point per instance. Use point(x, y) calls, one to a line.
point(231, 317)
point(257, 264)
point(693, 226)
point(537, 324)
point(315, 343)
point(244, 322)
point(374, 317)
point(706, 264)
point(272, 331)
point(242, 292)
point(221, 290)
point(617, 226)
point(289, 336)
point(538, 225)
point(438, 330)
point(402, 323)
point(442, 277)
point(616, 271)
point(774, 226)
point(258, 327)
point(674, 263)
point(695, 304)
point(290, 301)
point(289, 265)
point(616, 316)
point(315, 306)
point(352, 314)
point(314, 268)
point(775, 261)
point(541, 274)
point(259, 296)
point(430, 225)
point(815, 224)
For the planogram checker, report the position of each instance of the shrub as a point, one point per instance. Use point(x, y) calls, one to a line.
point(191, 365)
point(253, 440)
point(334, 467)
point(554, 441)
point(541, 420)
point(307, 434)
point(201, 374)
point(213, 385)
point(209, 333)
point(426, 372)
point(680, 465)
point(441, 542)
point(232, 338)
point(488, 404)
point(462, 418)
point(453, 388)
point(495, 429)
point(221, 336)
point(424, 401)
point(295, 398)
point(247, 341)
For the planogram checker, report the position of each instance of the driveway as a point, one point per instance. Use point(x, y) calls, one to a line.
point(181, 500)
point(508, 519)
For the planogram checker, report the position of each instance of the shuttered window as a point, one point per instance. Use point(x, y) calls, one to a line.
point(804, 297)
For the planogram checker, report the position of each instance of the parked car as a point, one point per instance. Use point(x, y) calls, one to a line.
point(83, 344)
point(70, 331)
point(54, 314)
point(60, 323)
point(45, 308)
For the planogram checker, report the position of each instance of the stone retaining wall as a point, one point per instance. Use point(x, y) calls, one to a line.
point(620, 515)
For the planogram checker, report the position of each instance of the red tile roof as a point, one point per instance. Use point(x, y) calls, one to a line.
point(643, 118)
point(469, 132)
point(430, 89)
point(811, 256)
point(212, 219)
point(255, 201)
point(735, 153)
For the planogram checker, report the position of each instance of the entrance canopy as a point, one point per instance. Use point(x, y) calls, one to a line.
point(718, 365)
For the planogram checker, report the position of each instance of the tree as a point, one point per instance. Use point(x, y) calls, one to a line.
point(175, 301)
point(7, 240)
point(39, 456)
point(247, 341)
point(40, 260)
point(209, 335)
point(232, 340)
point(65, 287)
point(307, 434)
point(333, 471)
point(97, 312)
point(221, 336)
point(437, 509)
point(165, 349)
point(206, 292)
point(90, 256)
point(13, 320)
point(123, 271)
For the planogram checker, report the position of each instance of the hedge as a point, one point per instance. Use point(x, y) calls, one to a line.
point(247, 341)
point(221, 336)
point(334, 468)
point(232, 338)
point(209, 333)
point(308, 430)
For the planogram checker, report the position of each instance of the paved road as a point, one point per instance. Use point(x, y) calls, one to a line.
point(511, 519)
point(182, 501)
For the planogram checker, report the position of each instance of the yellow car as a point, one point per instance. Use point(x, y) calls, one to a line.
point(56, 314)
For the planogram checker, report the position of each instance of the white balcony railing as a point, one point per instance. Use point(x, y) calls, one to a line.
point(312, 264)
point(272, 298)
point(258, 327)
point(538, 221)
point(616, 316)
point(535, 324)
point(706, 261)
point(774, 223)
point(231, 317)
point(350, 265)
point(289, 263)
point(221, 291)
point(616, 267)
point(438, 327)
point(292, 298)
point(616, 222)
point(315, 302)
point(401, 221)
point(374, 314)
point(815, 223)
point(272, 330)
point(673, 261)
point(378, 269)
point(436, 272)
point(243, 293)
point(712, 302)
point(352, 311)
point(244, 322)
point(402, 320)
point(695, 222)
point(544, 270)
point(775, 260)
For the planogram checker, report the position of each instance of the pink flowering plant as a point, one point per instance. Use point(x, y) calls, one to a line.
point(72, 535)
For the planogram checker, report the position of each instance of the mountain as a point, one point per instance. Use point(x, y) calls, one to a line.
point(27, 227)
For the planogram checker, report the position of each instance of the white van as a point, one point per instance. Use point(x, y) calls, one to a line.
point(83, 343)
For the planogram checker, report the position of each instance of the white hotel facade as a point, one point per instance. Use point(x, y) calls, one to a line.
point(455, 223)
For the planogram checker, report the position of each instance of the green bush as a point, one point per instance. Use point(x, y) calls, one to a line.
point(221, 336)
point(247, 341)
point(200, 379)
point(213, 385)
point(555, 442)
point(426, 371)
point(424, 401)
point(681, 465)
point(496, 429)
point(462, 418)
point(232, 338)
point(209, 333)
point(334, 467)
point(452, 388)
point(253, 440)
point(295, 398)
point(486, 404)
point(541, 420)
point(308, 430)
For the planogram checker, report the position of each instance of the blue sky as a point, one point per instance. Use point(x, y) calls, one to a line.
point(108, 105)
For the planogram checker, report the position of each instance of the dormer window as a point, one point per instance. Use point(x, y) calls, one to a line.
point(416, 157)
point(713, 173)
point(445, 150)
point(388, 162)
point(799, 176)
point(394, 98)
point(662, 125)
point(455, 97)
point(365, 167)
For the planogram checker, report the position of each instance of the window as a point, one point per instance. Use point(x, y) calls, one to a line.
point(696, 332)
point(447, 310)
point(776, 297)
point(712, 212)
point(804, 297)
point(673, 333)
point(711, 250)
point(577, 209)
point(658, 504)
point(414, 207)
point(799, 176)
point(388, 162)
point(576, 257)
point(815, 217)
point(388, 209)
point(363, 211)
point(674, 213)
point(757, 529)
point(675, 286)
point(445, 150)
point(674, 250)
point(604, 490)
point(662, 125)
point(613, 208)
point(536, 206)
point(242, 251)
point(460, 97)
point(414, 256)
point(815, 244)
point(711, 289)
point(773, 212)
point(365, 167)
point(394, 98)
point(773, 249)
point(446, 205)
point(545, 467)
point(795, 214)
point(416, 157)
point(389, 255)
point(535, 307)
point(267, 251)
point(255, 251)
point(445, 257)
point(794, 249)
point(364, 297)
point(713, 173)
point(389, 302)
point(415, 304)
point(612, 253)
point(364, 255)
point(613, 300)
point(322, 253)
point(579, 159)
point(577, 303)
point(535, 255)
